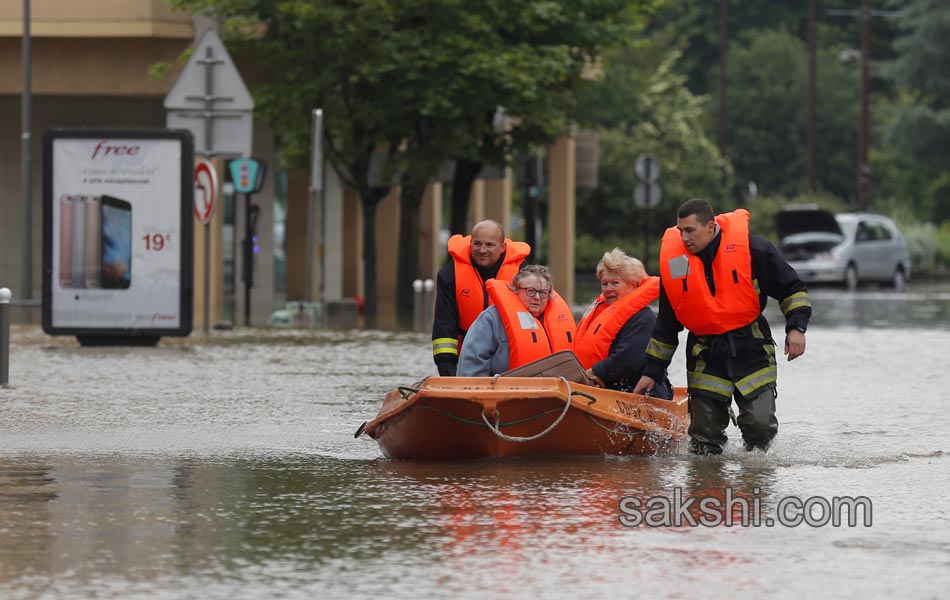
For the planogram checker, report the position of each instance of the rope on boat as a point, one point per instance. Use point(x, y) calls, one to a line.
point(616, 429)
point(406, 391)
point(446, 413)
point(510, 438)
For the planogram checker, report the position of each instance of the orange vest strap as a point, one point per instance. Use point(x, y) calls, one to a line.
point(528, 338)
point(600, 327)
point(736, 303)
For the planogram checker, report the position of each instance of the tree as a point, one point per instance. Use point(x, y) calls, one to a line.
point(768, 91)
point(920, 128)
point(456, 80)
point(641, 106)
point(420, 78)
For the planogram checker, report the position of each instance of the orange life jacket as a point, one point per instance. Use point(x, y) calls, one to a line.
point(736, 303)
point(599, 327)
point(528, 339)
point(469, 288)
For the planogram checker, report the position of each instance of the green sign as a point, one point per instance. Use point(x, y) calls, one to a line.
point(247, 175)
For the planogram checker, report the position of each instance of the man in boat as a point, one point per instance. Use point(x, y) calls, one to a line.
point(527, 320)
point(715, 280)
point(612, 336)
point(460, 286)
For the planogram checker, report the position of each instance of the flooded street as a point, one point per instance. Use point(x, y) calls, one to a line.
point(225, 467)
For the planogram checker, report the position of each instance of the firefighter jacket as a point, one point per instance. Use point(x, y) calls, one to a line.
point(741, 354)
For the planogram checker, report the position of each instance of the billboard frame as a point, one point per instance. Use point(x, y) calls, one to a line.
point(123, 334)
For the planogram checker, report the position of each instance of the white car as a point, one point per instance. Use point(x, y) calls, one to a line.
point(847, 248)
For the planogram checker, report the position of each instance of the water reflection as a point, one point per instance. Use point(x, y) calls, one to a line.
point(147, 519)
point(26, 492)
point(921, 306)
point(226, 467)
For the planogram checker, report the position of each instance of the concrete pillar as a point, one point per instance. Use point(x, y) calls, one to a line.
point(561, 215)
point(333, 248)
point(387, 252)
point(498, 200)
point(431, 250)
point(352, 245)
point(476, 203)
point(296, 234)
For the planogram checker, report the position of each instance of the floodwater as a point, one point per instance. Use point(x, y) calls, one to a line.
point(226, 467)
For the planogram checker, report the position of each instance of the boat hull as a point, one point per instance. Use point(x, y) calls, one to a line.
point(449, 418)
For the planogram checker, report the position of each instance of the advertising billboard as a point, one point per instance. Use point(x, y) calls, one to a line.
point(117, 232)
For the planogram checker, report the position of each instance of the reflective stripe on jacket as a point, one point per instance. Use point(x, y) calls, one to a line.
point(529, 339)
point(736, 302)
point(598, 329)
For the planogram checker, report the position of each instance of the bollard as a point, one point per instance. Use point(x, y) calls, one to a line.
point(417, 305)
point(429, 286)
point(5, 296)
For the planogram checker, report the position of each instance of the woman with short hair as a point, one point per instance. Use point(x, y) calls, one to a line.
point(613, 334)
point(527, 320)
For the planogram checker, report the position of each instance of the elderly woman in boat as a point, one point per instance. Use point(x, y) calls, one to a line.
point(527, 320)
point(613, 334)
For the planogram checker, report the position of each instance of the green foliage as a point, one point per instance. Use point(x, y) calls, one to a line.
point(767, 122)
point(637, 108)
point(421, 78)
point(942, 255)
point(158, 70)
point(919, 130)
point(695, 27)
point(921, 241)
point(929, 247)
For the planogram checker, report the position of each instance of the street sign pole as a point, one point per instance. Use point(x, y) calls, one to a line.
point(248, 258)
point(647, 194)
point(247, 176)
point(209, 99)
point(206, 190)
point(206, 312)
point(646, 229)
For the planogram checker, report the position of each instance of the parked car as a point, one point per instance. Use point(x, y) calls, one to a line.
point(847, 248)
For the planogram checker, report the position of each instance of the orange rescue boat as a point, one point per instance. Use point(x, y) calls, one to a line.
point(446, 418)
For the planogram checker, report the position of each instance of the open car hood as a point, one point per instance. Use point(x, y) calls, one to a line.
point(801, 219)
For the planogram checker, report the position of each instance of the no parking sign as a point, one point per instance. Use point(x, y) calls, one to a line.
point(206, 189)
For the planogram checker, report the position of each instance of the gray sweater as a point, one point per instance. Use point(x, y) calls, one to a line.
point(485, 349)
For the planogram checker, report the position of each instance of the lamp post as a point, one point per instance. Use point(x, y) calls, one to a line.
point(864, 128)
point(26, 166)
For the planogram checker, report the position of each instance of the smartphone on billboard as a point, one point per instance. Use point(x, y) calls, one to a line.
point(116, 243)
point(93, 238)
point(78, 268)
point(66, 241)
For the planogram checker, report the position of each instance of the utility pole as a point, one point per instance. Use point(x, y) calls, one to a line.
point(864, 128)
point(864, 169)
point(811, 96)
point(723, 31)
